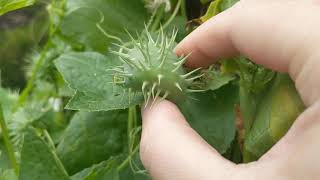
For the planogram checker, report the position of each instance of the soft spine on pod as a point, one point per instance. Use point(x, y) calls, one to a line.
point(152, 68)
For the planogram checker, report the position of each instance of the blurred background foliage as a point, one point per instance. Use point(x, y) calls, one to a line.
point(22, 33)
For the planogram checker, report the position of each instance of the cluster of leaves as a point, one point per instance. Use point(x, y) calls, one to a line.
point(72, 122)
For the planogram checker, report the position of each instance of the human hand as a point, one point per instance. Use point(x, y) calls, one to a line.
point(282, 35)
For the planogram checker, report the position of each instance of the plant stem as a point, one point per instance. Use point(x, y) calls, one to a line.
point(9, 146)
point(126, 161)
point(52, 146)
point(104, 32)
point(48, 137)
point(132, 123)
point(174, 14)
point(25, 93)
point(135, 116)
point(183, 9)
point(130, 126)
point(30, 84)
point(156, 22)
point(151, 20)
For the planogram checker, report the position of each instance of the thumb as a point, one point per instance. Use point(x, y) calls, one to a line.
point(171, 149)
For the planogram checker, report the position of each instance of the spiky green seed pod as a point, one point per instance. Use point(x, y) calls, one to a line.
point(151, 67)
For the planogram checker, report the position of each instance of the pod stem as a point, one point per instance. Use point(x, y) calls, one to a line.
point(158, 17)
point(174, 14)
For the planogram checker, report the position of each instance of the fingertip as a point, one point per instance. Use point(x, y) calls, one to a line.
point(177, 50)
point(161, 108)
point(209, 42)
point(170, 148)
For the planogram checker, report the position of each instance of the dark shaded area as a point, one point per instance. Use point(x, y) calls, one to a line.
point(17, 18)
point(194, 9)
point(20, 33)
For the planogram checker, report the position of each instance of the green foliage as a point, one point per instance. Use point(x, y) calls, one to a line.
point(39, 161)
point(254, 82)
point(20, 39)
point(7, 100)
point(8, 174)
point(92, 137)
point(7, 142)
point(89, 62)
point(104, 170)
point(214, 79)
point(278, 109)
point(10, 5)
point(213, 10)
point(225, 4)
point(109, 170)
point(88, 73)
point(23, 118)
point(93, 23)
point(212, 115)
point(4, 159)
point(216, 7)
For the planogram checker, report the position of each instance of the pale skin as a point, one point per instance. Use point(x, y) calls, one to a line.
point(283, 35)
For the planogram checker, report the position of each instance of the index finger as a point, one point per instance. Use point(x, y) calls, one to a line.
point(285, 40)
point(208, 42)
point(248, 28)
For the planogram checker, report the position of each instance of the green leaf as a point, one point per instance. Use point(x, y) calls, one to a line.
point(220, 80)
point(248, 106)
point(104, 170)
point(226, 4)
point(4, 159)
point(253, 77)
point(8, 174)
point(234, 153)
point(109, 170)
point(214, 79)
point(92, 137)
point(278, 109)
point(212, 115)
point(216, 7)
point(27, 116)
point(213, 10)
point(89, 73)
point(11, 5)
point(38, 161)
point(254, 81)
point(113, 16)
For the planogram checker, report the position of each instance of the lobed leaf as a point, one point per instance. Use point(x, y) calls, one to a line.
point(89, 74)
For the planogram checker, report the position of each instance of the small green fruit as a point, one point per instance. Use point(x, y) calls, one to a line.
point(151, 67)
